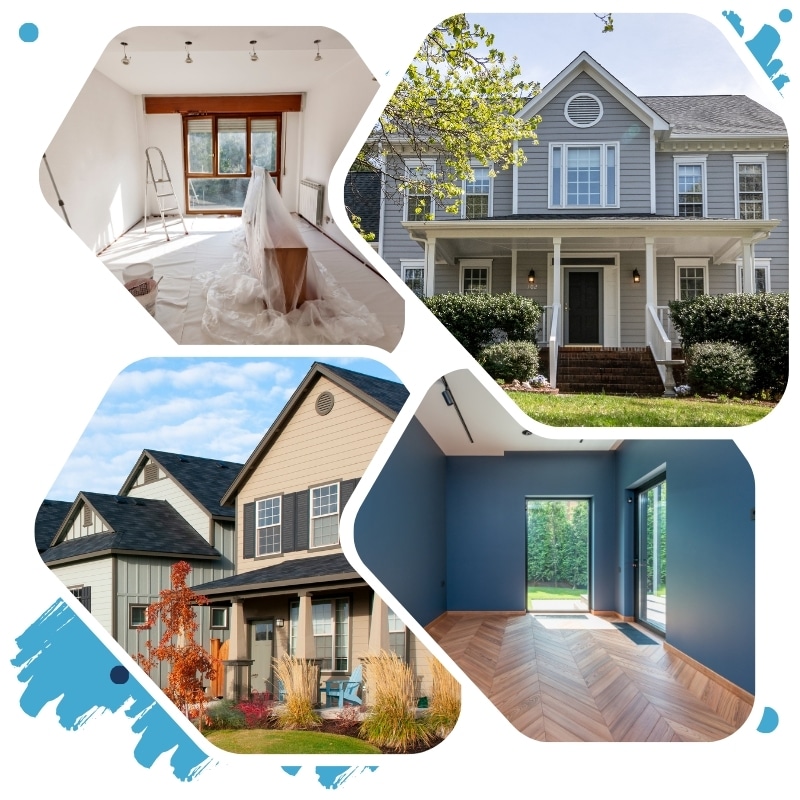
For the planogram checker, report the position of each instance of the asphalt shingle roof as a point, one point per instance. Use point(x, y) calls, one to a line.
point(206, 479)
point(138, 525)
point(327, 566)
point(49, 517)
point(391, 394)
point(734, 114)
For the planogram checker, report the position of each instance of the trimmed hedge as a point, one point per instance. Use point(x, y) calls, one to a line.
point(759, 322)
point(508, 361)
point(723, 368)
point(475, 319)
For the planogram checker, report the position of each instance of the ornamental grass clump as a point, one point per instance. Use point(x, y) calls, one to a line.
point(391, 722)
point(444, 705)
point(300, 680)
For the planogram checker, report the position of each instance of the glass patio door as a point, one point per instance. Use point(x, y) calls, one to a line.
point(651, 556)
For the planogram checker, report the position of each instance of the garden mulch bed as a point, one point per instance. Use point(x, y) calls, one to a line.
point(348, 728)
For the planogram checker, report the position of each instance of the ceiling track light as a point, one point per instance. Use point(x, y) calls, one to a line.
point(253, 54)
point(188, 58)
point(317, 57)
point(126, 59)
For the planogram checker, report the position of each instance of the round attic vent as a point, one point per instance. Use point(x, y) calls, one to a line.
point(583, 110)
point(324, 404)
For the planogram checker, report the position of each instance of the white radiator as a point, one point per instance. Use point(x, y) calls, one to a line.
point(311, 200)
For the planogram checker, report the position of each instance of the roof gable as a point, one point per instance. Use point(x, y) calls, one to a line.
point(384, 396)
point(49, 517)
point(584, 63)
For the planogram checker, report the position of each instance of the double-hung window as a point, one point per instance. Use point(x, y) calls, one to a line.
point(750, 176)
point(325, 515)
point(330, 627)
point(584, 175)
point(419, 203)
point(397, 636)
point(413, 274)
point(268, 526)
point(691, 278)
point(477, 203)
point(475, 275)
point(690, 186)
point(220, 154)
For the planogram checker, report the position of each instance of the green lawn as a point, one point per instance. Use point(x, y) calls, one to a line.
point(554, 593)
point(599, 410)
point(291, 742)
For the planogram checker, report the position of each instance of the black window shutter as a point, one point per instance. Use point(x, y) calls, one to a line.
point(249, 533)
point(346, 488)
point(288, 521)
point(301, 522)
point(87, 597)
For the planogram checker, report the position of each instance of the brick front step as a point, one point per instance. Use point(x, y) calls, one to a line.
point(628, 370)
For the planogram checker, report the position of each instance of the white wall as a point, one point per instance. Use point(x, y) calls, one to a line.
point(97, 165)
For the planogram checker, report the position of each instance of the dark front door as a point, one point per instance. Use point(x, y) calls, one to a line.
point(583, 307)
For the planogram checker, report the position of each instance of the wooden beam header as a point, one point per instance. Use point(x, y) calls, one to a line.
point(223, 104)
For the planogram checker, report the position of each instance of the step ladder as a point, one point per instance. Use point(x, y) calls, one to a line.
point(165, 194)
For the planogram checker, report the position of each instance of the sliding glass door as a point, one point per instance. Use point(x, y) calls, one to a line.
point(557, 554)
point(651, 555)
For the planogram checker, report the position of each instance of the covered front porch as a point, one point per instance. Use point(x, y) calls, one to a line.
point(601, 281)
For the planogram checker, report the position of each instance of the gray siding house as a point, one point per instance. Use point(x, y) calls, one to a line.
point(115, 552)
point(624, 203)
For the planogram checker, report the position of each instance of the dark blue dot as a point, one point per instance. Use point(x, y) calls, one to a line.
point(785, 15)
point(119, 675)
point(28, 32)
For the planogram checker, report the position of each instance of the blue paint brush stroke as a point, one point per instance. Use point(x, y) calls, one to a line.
point(334, 777)
point(769, 720)
point(60, 657)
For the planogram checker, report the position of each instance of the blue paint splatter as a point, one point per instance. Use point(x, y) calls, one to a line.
point(764, 45)
point(28, 32)
point(291, 770)
point(334, 777)
point(769, 720)
point(60, 658)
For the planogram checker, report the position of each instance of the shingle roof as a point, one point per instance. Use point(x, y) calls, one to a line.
point(733, 114)
point(49, 517)
point(206, 479)
point(137, 525)
point(362, 196)
point(390, 393)
point(333, 565)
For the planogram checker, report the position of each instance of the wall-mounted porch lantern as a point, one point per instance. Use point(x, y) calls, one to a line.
point(637, 278)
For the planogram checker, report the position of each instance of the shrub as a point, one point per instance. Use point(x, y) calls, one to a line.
point(720, 368)
point(759, 322)
point(224, 716)
point(444, 707)
point(258, 712)
point(508, 361)
point(300, 680)
point(475, 319)
point(391, 721)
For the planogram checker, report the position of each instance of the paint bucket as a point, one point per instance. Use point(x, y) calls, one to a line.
point(138, 280)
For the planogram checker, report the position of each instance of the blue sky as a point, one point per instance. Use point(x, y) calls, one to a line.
point(651, 54)
point(210, 407)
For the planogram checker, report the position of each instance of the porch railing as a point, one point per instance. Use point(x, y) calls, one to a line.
point(543, 332)
point(665, 318)
point(553, 344)
point(657, 340)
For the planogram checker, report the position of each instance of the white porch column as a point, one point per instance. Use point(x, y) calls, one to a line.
point(378, 626)
point(650, 271)
point(514, 271)
point(430, 267)
point(557, 270)
point(305, 630)
point(748, 267)
point(238, 639)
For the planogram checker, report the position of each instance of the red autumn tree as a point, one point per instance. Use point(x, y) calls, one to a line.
point(189, 662)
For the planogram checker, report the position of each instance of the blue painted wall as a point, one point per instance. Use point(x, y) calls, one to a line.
point(399, 530)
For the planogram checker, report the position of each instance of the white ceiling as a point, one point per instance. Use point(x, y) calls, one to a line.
point(494, 429)
point(220, 59)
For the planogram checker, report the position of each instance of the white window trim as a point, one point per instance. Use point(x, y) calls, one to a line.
point(412, 165)
point(259, 552)
point(311, 544)
point(737, 160)
point(565, 146)
point(578, 124)
point(294, 618)
point(758, 263)
point(415, 264)
point(694, 263)
point(490, 209)
point(686, 161)
point(475, 263)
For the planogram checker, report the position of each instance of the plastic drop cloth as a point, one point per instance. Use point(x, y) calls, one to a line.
point(274, 293)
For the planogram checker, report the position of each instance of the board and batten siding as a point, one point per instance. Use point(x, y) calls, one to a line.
point(77, 529)
point(313, 450)
point(617, 124)
point(96, 573)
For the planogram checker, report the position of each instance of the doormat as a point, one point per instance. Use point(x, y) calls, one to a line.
point(634, 634)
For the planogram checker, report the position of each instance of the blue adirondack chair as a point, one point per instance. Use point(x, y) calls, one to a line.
point(344, 690)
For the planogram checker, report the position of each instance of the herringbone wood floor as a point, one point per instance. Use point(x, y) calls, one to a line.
point(567, 679)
